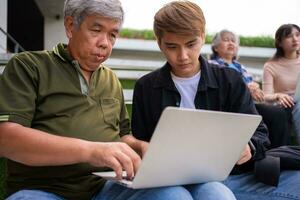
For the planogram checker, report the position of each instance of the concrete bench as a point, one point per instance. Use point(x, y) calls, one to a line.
point(129, 69)
point(128, 95)
point(133, 64)
point(130, 74)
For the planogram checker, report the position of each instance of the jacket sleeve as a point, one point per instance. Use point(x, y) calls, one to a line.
point(241, 102)
point(138, 118)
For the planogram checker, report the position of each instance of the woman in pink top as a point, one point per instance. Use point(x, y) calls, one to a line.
point(282, 71)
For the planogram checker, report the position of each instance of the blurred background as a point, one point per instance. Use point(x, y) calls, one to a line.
point(37, 24)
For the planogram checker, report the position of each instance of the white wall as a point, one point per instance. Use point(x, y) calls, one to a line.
point(54, 33)
point(3, 25)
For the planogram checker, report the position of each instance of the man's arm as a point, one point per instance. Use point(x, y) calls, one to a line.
point(37, 148)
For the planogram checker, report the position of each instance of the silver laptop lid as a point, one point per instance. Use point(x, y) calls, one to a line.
point(194, 146)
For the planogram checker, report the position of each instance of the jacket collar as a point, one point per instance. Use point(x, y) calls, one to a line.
point(207, 77)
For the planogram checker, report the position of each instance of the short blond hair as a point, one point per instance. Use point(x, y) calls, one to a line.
point(180, 17)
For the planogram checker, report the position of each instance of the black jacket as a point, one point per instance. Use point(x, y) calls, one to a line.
point(219, 89)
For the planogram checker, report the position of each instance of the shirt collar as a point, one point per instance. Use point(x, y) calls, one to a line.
point(222, 62)
point(61, 50)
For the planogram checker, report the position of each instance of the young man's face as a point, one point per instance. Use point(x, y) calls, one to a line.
point(91, 43)
point(182, 52)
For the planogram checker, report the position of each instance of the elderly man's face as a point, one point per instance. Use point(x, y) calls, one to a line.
point(91, 43)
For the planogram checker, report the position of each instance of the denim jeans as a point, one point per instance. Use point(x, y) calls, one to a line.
point(244, 187)
point(207, 191)
point(296, 120)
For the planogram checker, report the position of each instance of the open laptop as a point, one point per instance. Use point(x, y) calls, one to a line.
point(297, 91)
point(192, 146)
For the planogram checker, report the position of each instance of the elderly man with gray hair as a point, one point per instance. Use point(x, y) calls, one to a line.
point(62, 117)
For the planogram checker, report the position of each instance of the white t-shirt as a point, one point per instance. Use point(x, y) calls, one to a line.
point(187, 88)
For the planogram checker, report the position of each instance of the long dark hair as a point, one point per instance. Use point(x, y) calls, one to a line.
point(282, 32)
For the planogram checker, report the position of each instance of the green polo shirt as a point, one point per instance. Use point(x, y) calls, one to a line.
point(45, 90)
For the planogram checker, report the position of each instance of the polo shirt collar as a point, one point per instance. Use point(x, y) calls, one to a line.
point(61, 50)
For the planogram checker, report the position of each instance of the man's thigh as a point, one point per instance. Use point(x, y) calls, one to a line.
point(33, 195)
point(246, 187)
point(212, 190)
point(112, 191)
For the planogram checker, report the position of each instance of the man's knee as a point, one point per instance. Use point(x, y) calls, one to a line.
point(168, 193)
point(211, 191)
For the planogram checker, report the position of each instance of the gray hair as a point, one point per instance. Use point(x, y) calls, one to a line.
point(79, 9)
point(218, 38)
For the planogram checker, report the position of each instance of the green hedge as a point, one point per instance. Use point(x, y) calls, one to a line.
point(258, 41)
point(137, 34)
point(127, 84)
point(262, 41)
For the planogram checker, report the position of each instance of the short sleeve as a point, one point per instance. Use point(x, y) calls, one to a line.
point(18, 91)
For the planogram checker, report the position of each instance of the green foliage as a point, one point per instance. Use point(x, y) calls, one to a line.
point(259, 41)
point(137, 34)
point(208, 38)
point(127, 84)
point(262, 41)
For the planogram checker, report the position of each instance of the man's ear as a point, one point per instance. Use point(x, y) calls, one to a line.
point(69, 25)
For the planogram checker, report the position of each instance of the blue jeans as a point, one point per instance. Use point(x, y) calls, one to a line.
point(296, 120)
point(207, 191)
point(244, 187)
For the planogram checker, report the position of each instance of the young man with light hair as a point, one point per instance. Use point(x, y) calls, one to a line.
point(188, 80)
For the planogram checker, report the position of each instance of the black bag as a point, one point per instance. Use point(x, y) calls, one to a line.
point(281, 158)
